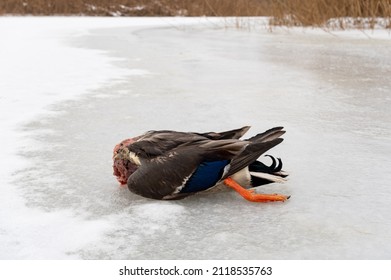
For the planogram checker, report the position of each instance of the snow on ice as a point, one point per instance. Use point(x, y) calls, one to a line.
point(71, 88)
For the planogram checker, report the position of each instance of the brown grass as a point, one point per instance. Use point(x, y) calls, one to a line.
point(133, 7)
point(283, 12)
point(319, 12)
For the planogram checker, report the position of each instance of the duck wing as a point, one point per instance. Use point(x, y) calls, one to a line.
point(230, 134)
point(190, 167)
point(157, 143)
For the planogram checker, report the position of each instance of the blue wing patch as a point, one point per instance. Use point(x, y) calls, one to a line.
point(206, 176)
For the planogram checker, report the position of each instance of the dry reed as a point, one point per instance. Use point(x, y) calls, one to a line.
point(134, 7)
point(319, 12)
point(282, 12)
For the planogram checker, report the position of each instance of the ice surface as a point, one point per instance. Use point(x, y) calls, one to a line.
point(110, 79)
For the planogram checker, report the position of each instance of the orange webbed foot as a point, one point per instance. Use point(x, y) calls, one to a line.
point(250, 195)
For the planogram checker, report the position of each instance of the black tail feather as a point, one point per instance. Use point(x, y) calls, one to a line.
point(258, 166)
point(273, 169)
point(255, 181)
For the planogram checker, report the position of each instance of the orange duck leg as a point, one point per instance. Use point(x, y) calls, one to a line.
point(251, 196)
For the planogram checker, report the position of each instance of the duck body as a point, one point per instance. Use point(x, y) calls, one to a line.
point(173, 165)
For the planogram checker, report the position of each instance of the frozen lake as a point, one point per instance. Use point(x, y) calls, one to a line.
point(331, 92)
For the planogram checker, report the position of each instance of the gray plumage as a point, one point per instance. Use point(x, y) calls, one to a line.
point(168, 159)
